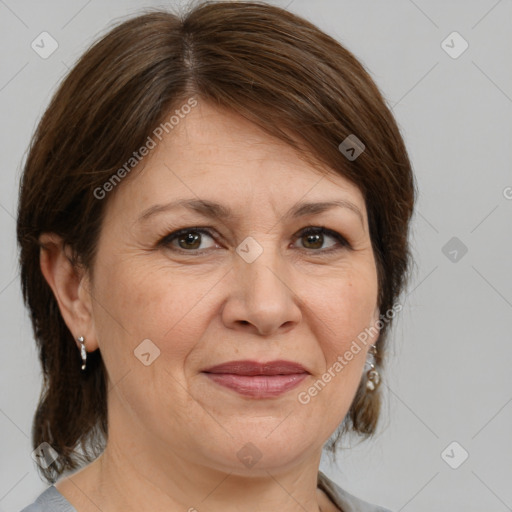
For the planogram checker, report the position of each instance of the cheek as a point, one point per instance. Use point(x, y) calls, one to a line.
point(346, 308)
point(139, 301)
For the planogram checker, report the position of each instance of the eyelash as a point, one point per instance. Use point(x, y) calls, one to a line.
point(310, 230)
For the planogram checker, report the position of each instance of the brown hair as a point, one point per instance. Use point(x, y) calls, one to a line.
point(272, 67)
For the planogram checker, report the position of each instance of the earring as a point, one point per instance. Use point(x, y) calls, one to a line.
point(372, 375)
point(83, 352)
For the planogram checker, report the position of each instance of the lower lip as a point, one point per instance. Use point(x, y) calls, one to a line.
point(258, 386)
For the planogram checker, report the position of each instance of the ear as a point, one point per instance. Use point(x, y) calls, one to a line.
point(71, 288)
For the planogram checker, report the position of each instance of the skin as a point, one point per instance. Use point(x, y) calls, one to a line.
point(173, 433)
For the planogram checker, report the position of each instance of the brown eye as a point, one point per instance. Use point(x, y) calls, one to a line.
point(187, 240)
point(190, 241)
point(313, 238)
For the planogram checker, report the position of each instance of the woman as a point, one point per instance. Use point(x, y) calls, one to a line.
point(213, 227)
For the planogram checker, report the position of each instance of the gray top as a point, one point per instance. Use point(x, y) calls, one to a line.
point(51, 500)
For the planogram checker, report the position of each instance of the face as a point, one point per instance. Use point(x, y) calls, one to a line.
point(180, 289)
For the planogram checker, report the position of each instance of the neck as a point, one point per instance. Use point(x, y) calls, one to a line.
point(137, 472)
point(179, 485)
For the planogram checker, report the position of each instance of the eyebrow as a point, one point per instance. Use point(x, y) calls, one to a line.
point(218, 211)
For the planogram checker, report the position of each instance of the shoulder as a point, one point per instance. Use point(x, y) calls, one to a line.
point(344, 500)
point(50, 500)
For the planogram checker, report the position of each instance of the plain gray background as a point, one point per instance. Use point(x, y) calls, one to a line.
point(449, 374)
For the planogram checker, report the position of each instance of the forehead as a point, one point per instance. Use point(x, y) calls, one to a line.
point(218, 155)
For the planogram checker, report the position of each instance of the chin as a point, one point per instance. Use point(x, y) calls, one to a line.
point(254, 451)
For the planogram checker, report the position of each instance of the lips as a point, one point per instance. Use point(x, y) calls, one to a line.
point(255, 368)
point(258, 380)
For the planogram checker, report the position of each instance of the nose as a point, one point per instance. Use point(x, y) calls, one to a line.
point(262, 299)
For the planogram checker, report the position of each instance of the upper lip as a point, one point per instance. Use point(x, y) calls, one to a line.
point(247, 367)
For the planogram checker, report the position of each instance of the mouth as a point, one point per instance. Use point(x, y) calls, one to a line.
point(258, 380)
